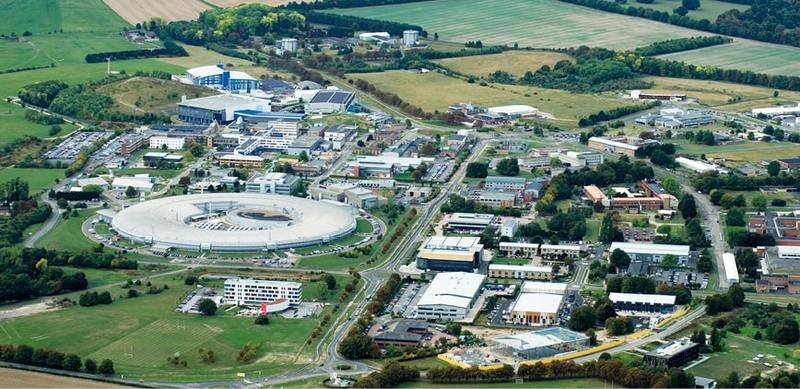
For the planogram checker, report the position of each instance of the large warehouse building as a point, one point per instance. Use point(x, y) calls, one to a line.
point(538, 303)
point(646, 303)
point(218, 77)
point(330, 101)
point(540, 343)
point(219, 109)
point(234, 222)
point(453, 253)
point(449, 296)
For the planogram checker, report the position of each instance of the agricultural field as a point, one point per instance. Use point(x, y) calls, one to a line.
point(748, 151)
point(38, 179)
point(231, 3)
point(719, 94)
point(139, 334)
point(200, 56)
point(709, 9)
point(745, 54)
point(540, 23)
point(514, 62)
point(144, 10)
point(138, 94)
point(15, 378)
point(415, 88)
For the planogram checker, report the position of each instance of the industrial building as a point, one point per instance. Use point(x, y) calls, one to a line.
point(536, 309)
point(330, 101)
point(698, 166)
point(449, 296)
point(652, 253)
point(644, 303)
point(543, 287)
point(304, 144)
point(363, 198)
point(384, 165)
point(521, 272)
point(504, 183)
point(239, 160)
point(217, 109)
point(248, 291)
point(530, 250)
point(215, 76)
point(401, 332)
point(653, 198)
point(442, 253)
point(513, 111)
point(576, 160)
point(410, 37)
point(731, 271)
point(494, 198)
point(278, 183)
point(777, 111)
point(141, 182)
point(789, 252)
point(542, 343)
point(619, 145)
point(469, 222)
point(675, 354)
point(639, 95)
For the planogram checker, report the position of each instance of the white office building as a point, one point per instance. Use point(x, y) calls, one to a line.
point(650, 252)
point(172, 143)
point(246, 291)
point(449, 296)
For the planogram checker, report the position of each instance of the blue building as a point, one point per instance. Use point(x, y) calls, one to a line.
point(215, 76)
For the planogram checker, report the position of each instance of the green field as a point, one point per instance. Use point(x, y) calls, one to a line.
point(139, 334)
point(538, 23)
point(67, 234)
point(566, 383)
point(13, 124)
point(37, 179)
point(709, 9)
point(514, 62)
point(744, 54)
point(748, 151)
point(416, 88)
point(718, 94)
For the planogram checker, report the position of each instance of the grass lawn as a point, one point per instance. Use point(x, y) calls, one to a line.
point(141, 94)
point(318, 290)
point(759, 57)
point(592, 230)
point(139, 334)
point(67, 235)
point(709, 9)
point(510, 261)
point(514, 62)
point(543, 23)
point(363, 229)
point(717, 93)
point(37, 179)
point(102, 277)
point(415, 88)
point(748, 151)
point(13, 124)
point(566, 383)
point(363, 226)
point(738, 354)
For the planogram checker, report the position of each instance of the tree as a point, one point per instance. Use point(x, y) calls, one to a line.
point(759, 202)
point(679, 378)
point(508, 167)
point(104, 298)
point(454, 329)
point(619, 259)
point(419, 172)
point(262, 320)
point(303, 157)
point(358, 346)
point(735, 217)
point(680, 11)
point(619, 325)
point(737, 295)
point(592, 337)
point(131, 192)
point(608, 230)
point(106, 367)
point(90, 366)
point(687, 207)
point(582, 319)
point(330, 281)
point(207, 307)
point(190, 280)
point(72, 362)
point(715, 340)
point(669, 261)
point(699, 337)
point(774, 168)
point(691, 5)
point(477, 170)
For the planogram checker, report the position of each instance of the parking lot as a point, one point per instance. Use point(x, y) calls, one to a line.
point(405, 299)
point(69, 148)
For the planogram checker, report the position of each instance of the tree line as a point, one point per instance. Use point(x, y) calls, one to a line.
point(25, 211)
point(681, 44)
point(170, 49)
point(24, 354)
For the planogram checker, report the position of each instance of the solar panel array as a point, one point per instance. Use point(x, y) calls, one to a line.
point(335, 97)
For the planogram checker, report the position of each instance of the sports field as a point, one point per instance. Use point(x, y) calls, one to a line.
point(416, 88)
point(514, 62)
point(37, 179)
point(709, 9)
point(537, 23)
point(139, 334)
point(745, 54)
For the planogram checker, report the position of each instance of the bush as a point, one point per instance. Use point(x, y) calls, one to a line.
point(262, 320)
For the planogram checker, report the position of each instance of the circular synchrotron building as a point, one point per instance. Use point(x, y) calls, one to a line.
point(234, 222)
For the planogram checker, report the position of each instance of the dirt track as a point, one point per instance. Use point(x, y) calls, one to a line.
point(12, 378)
point(143, 10)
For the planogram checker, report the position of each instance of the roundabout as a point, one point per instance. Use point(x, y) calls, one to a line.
point(234, 222)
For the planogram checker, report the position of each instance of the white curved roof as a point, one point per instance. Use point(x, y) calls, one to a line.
point(164, 222)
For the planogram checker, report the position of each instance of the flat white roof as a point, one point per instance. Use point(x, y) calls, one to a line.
point(537, 302)
point(792, 250)
point(519, 244)
point(614, 143)
point(260, 282)
point(92, 181)
point(213, 70)
point(543, 287)
point(565, 247)
point(731, 271)
point(663, 299)
point(136, 182)
point(695, 165)
point(455, 289)
point(541, 269)
point(453, 243)
point(651, 248)
point(541, 338)
point(471, 218)
point(513, 109)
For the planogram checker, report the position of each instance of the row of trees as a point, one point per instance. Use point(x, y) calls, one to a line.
point(681, 44)
point(170, 49)
point(26, 355)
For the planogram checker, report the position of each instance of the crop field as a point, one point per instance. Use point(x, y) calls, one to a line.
point(37, 179)
point(151, 95)
point(718, 94)
point(144, 10)
point(139, 335)
point(15, 378)
point(745, 54)
point(538, 23)
point(709, 9)
point(416, 88)
point(200, 56)
point(514, 62)
point(231, 3)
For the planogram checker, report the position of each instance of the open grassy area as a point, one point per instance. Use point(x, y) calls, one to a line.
point(745, 54)
point(543, 23)
point(67, 235)
point(416, 88)
point(200, 56)
point(748, 151)
point(37, 179)
point(139, 334)
point(709, 9)
point(514, 62)
point(498, 260)
point(13, 124)
point(718, 94)
point(142, 94)
point(102, 277)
